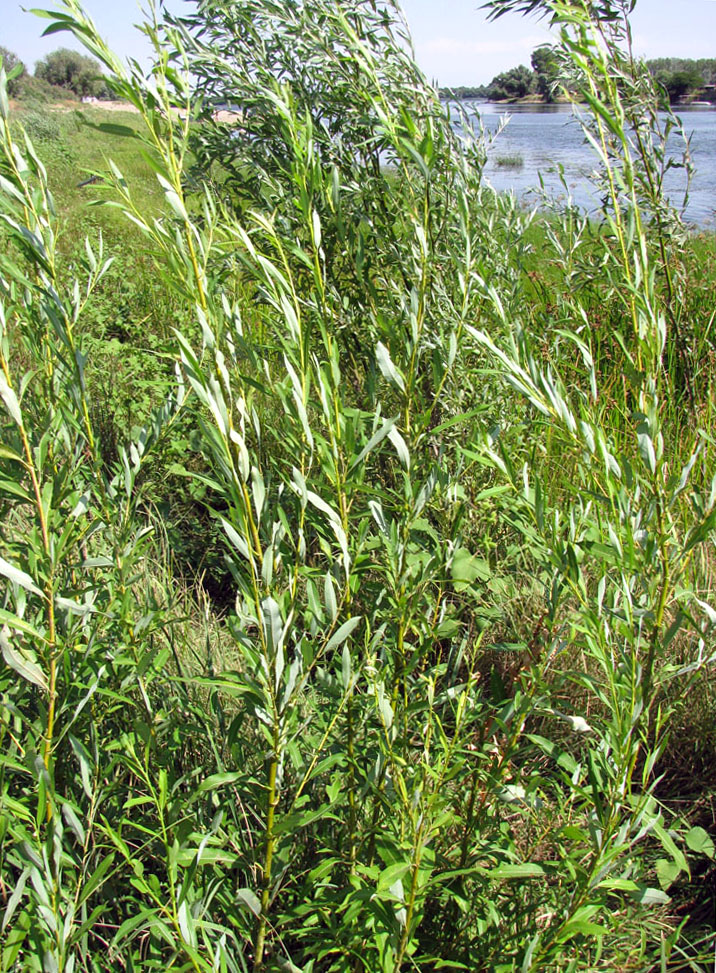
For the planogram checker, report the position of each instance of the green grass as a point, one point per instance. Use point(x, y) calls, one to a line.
point(509, 161)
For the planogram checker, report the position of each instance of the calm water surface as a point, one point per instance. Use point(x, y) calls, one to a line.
point(547, 136)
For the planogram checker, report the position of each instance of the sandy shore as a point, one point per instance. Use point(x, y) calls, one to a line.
point(110, 106)
point(227, 117)
point(223, 115)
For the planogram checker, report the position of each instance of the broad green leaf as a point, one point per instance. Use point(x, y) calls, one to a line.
point(667, 872)
point(580, 927)
point(700, 841)
point(124, 131)
point(646, 448)
point(649, 896)
point(466, 568)
point(392, 874)
point(215, 781)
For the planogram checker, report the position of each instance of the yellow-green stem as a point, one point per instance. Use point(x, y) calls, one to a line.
point(260, 940)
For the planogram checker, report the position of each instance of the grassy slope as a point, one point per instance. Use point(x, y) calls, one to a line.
point(131, 315)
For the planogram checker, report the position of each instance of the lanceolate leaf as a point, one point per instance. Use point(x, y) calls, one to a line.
point(17, 576)
point(10, 399)
point(21, 661)
point(346, 629)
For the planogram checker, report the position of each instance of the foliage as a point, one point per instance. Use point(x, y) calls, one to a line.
point(680, 83)
point(515, 83)
point(545, 65)
point(14, 68)
point(705, 67)
point(679, 76)
point(459, 485)
point(78, 73)
point(464, 93)
point(32, 91)
point(509, 161)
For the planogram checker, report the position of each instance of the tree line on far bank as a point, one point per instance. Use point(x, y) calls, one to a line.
point(74, 74)
point(681, 78)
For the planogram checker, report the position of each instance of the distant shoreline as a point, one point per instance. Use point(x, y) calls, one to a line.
point(534, 99)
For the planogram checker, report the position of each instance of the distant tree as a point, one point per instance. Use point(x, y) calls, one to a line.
point(13, 65)
point(682, 83)
point(76, 72)
point(464, 92)
point(662, 67)
point(546, 68)
point(515, 83)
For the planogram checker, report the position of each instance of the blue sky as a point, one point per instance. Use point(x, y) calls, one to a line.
point(453, 42)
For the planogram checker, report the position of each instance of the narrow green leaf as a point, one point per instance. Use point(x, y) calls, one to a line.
point(523, 870)
point(20, 625)
point(346, 629)
point(250, 900)
point(21, 661)
point(4, 103)
point(401, 447)
point(10, 399)
point(17, 576)
point(374, 441)
point(390, 371)
point(15, 898)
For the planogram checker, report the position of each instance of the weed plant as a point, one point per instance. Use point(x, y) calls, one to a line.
point(464, 493)
point(509, 161)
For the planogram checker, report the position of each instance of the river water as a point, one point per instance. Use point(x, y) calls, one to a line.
point(545, 137)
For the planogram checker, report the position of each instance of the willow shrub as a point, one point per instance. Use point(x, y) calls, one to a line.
point(458, 574)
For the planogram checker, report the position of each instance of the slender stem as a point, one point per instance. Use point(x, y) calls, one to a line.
point(661, 604)
point(270, 845)
point(352, 815)
point(412, 896)
point(49, 592)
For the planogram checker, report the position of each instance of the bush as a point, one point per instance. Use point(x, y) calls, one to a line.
point(682, 83)
point(515, 83)
point(33, 91)
point(75, 72)
point(13, 66)
point(464, 504)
